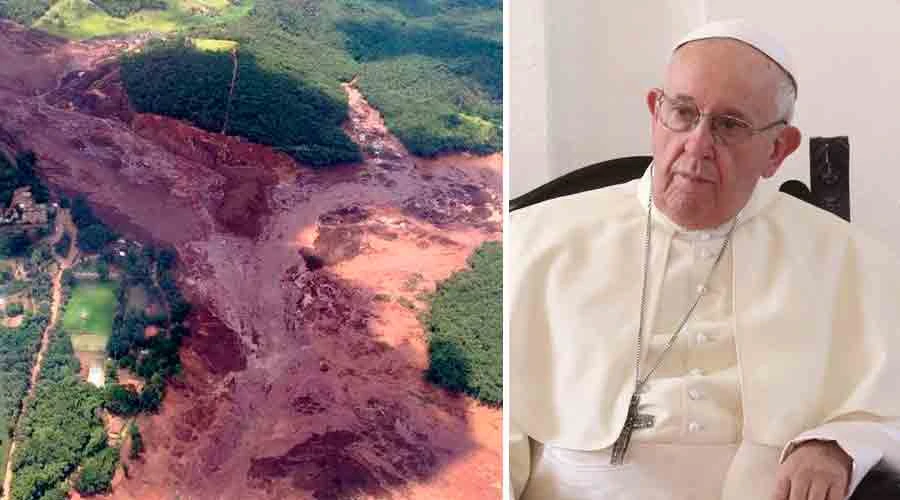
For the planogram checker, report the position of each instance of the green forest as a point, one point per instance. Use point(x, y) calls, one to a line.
point(465, 328)
point(432, 67)
point(62, 431)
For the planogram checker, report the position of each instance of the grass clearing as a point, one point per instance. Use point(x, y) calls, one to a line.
point(89, 315)
point(82, 19)
point(214, 45)
point(89, 342)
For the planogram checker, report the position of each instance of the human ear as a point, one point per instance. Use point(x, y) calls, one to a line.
point(652, 96)
point(787, 141)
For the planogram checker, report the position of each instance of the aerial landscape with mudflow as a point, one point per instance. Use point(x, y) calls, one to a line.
point(250, 249)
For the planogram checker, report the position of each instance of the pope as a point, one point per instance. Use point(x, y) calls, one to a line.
point(695, 334)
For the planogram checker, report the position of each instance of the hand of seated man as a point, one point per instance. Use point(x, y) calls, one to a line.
point(815, 470)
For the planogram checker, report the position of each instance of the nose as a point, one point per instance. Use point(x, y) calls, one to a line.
point(701, 141)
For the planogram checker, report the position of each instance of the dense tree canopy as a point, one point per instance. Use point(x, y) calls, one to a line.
point(465, 326)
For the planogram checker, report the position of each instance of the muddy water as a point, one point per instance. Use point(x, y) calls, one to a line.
point(297, 383)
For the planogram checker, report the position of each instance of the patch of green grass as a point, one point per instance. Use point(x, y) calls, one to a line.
point(214, 45)
point(89, 342)
point(81, 19)
point(465, 325)
point(89, 314)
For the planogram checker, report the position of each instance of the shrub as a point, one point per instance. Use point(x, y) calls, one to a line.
point(14, 309)
point(137, 441)
point(122, 400)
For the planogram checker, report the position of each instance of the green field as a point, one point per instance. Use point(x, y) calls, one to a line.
point(214, 45)
point(82, 19)
point(89, 315)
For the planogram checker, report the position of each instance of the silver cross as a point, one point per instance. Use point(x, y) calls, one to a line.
point(633, 422)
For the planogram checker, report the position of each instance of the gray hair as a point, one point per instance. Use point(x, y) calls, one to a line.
point(786, 96)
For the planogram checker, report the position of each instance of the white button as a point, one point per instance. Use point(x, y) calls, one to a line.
point(701, 338)
point(696, 372)
point(694, 427)
point(705, 236)
point(705, 253)
point(695, 394)
point(701, 289)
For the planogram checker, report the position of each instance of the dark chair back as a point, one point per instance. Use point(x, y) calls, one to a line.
point(596, 176)
point(621, 170)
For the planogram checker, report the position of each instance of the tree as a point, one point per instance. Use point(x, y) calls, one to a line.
point(137, 441)
point(82, 215)
point(103, 270)
point(94, 237)
point(166, 259)
point(122, 400)
point(14, 245)
point(152, 395)
point(97, 472)
point(14, 309)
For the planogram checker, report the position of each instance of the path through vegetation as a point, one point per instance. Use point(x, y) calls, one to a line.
point(63, 224)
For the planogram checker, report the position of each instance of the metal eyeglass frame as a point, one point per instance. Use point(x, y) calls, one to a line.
point(751, 131)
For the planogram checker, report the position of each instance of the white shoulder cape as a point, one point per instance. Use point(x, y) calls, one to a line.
point(816, 310)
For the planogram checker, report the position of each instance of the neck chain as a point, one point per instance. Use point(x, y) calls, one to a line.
point(638, 381)
point(634, 420)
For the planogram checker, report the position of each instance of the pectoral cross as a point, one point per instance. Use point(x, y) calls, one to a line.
point(633, 422)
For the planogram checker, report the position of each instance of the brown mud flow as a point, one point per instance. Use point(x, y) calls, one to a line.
point(297, 383)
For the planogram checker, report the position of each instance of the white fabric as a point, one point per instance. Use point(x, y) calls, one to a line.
point(652, 472)
point(694, 394)
point(741, 30)
point(575, 290)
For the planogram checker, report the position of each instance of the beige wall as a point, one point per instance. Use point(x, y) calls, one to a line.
point(592, 63)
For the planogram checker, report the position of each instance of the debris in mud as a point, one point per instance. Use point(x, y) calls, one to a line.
point(98, 91)
point(322, 305)
point(313, 261)
point(458, 203)
point(323, 464)
point(338, 243)
point(217, 345)
point(352, 214)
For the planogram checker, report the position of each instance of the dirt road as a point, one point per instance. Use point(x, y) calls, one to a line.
point(63, 223)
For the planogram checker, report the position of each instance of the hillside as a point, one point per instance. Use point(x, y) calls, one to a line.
point(433, 68)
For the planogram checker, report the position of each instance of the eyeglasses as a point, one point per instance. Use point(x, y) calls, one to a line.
point(681, 116)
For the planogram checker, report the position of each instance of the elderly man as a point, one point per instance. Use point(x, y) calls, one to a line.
point(696, 334)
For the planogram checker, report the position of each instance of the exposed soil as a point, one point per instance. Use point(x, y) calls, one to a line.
point(296, 382)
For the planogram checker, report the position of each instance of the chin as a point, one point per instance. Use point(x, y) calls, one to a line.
point(689, 212)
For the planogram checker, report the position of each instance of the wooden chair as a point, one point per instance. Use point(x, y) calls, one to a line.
point(829, 174)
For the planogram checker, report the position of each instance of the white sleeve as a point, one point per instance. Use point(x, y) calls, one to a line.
point(519, 462)
point(867, 443)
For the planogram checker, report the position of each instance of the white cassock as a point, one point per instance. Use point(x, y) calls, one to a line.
point(796, 337)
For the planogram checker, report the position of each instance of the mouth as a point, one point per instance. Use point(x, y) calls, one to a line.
point(693, 178)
